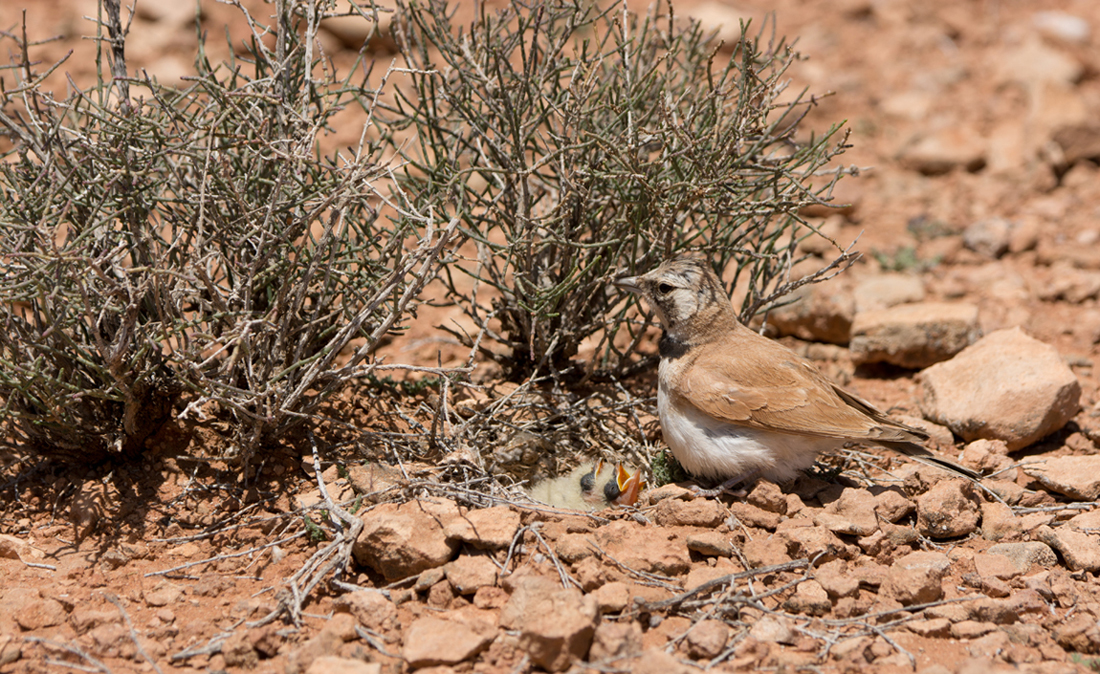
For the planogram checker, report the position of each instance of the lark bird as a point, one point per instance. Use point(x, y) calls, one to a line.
point(735, 405)
point(590, 487)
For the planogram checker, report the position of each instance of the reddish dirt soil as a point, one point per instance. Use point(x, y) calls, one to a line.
point(960, 112)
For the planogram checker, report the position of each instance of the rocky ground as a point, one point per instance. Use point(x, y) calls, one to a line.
point(974, 313)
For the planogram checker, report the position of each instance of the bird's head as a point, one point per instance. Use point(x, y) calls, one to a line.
point(686, 294)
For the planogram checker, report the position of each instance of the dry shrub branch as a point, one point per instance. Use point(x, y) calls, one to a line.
point(168, 249)
point(577, 143)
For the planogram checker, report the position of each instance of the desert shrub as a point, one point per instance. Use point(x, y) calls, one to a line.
point(577, 143)
point(165, 247)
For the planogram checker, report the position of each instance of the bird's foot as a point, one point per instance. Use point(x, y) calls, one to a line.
point(727, 487)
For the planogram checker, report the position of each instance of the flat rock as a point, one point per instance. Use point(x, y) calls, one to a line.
point(892, 506)
point(1077, 477)
point(882, 291)
point(700, 512)
point(1007, 386)
point(936, 628)
point(370, 608)
point(1023, 555)
point(401, 540)
point(645, 549)
point(752, 516)
point(913, 335)
point(433, 641)
point(995, 566)
point(950, 509)
point(1081, 551)
point(999, 522)
point(768, 496)
point(162, 594)
point(765, 551)
point(853, 513)
point(1088, 521)
point(469, 573)
point(812, 541)
point(332, 664)
point(487, 528)
point(836, 580)
point(943, 150)
point(809, 598)
point(555, 624)
point(710, 544)
point(707, 639)
point(915, 578)
point(39, 613)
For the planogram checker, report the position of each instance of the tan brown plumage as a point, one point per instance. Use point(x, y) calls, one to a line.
point(735, 404)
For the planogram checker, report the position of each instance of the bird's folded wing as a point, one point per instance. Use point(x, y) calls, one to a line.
point(790, 398)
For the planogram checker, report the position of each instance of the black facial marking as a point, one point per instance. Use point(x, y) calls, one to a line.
point(671, 348)
point(588, 482)
point(611, 491)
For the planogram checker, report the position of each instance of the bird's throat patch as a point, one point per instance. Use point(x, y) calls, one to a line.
point(671, 348)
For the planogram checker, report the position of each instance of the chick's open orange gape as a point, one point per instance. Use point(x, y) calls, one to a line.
point(590, 487)
point(735, 405)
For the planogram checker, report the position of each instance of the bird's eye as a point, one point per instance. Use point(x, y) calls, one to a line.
point(664, 288)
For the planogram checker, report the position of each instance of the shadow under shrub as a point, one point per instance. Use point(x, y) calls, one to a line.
point(577, 144)
point(164, 247)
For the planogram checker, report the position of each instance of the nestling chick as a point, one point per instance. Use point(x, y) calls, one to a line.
point(590, 487)
point(735, 405)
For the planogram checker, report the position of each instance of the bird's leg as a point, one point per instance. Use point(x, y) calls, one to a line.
point(727, 487)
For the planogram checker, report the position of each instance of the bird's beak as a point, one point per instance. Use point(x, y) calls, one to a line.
point(629, 284)
point(630, 486)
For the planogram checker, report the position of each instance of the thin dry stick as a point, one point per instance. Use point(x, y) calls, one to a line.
point(566, 579)
point(673, 602)
point(72, 648)
point(230, 555)
point(334, 556)
point(133, 634)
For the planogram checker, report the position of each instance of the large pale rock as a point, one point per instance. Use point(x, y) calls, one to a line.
point(913, 335)
point(401, 540)
point(555, 624)
point(1007, 386)
point(433, 641)
point(1077, 477)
